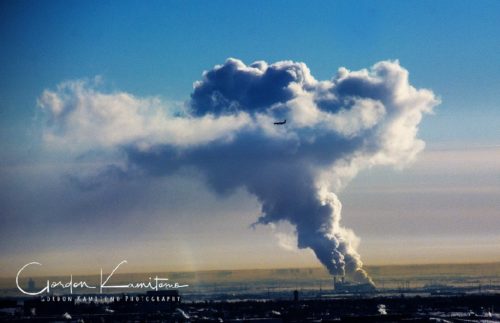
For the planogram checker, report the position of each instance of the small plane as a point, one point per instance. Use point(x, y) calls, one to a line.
point(280, 122)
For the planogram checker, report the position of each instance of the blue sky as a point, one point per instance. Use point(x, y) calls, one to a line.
point(161, 48)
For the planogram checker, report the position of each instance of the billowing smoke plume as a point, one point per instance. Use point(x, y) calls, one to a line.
point(333, 129)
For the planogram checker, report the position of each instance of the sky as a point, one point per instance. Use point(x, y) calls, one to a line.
point(441, 207)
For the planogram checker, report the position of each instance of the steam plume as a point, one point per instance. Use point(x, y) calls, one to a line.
point(334, 129)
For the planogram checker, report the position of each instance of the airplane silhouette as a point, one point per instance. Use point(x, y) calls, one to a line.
point(280, 122)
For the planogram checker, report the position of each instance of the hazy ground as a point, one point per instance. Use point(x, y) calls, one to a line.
point(239, 282)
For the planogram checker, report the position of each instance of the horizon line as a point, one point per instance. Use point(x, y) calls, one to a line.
point(497, 262)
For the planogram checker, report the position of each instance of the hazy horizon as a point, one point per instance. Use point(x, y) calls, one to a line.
point(47, 272)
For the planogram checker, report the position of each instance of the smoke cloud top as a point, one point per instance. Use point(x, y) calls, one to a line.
point(334, 129)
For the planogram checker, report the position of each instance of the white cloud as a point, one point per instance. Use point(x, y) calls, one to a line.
point(80, 117)
point(334, 129)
